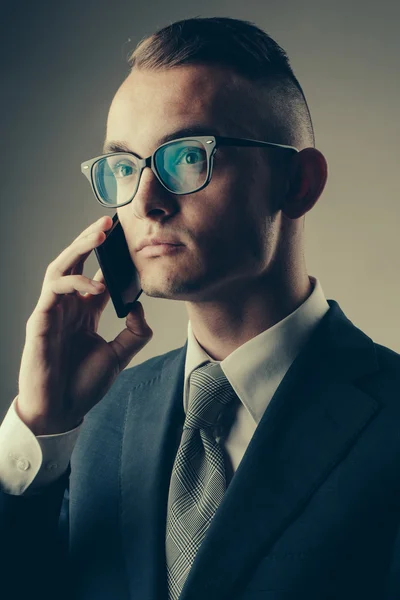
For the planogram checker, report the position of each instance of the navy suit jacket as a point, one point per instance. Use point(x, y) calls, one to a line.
point(313, 511)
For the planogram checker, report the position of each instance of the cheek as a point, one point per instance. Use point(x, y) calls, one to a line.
point(252, 215)
point(230, 225)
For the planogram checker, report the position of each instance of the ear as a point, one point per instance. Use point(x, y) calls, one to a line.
point(307, 177)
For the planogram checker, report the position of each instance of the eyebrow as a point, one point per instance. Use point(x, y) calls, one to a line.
point(120, 146)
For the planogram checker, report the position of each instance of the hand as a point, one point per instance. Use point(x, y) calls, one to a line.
point(66, 367)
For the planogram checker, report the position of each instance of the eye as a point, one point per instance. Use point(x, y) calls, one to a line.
point(122, 170)
point(190, 156)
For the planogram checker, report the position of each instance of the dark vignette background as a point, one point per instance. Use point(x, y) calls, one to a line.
point(60, 65)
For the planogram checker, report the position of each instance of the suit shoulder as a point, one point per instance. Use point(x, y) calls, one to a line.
point(388, 359)
point(143, 373)
point(149, 368)
point(384, 383)
point(113, 405)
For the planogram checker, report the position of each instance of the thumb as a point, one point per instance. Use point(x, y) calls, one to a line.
point(133, 338)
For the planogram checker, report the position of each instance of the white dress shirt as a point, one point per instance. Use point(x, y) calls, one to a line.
point(255, 370)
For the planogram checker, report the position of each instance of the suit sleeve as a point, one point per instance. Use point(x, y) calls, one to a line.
point(393, 579)
point(34, 542)
point(34, 509)
point(29, 463)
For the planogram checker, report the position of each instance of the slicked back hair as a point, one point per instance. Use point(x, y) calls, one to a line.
point(246, 50)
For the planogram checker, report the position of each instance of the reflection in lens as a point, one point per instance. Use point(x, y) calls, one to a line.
point(182, 166)
point(115, 178)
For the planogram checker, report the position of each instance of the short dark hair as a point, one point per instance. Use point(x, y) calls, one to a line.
point(246, 49)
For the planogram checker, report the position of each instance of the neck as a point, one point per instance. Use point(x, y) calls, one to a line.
point(241, 313)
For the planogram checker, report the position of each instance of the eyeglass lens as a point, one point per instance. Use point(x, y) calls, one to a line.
point(182, 166)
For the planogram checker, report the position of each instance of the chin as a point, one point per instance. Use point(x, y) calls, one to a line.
point(181, 284)
point(172, 290)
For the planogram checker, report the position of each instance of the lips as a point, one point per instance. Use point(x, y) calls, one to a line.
point(160, 249)
point(156, 242)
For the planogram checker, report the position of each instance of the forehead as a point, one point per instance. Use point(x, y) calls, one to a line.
point(151, 104)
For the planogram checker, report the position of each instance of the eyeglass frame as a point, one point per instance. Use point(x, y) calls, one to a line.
point(210, 143)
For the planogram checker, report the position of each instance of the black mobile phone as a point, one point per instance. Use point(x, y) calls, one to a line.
point(120, 274)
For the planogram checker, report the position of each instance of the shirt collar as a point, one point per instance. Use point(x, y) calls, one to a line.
point(256, 368)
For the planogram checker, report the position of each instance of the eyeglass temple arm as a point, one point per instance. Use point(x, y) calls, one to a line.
point(228, 141)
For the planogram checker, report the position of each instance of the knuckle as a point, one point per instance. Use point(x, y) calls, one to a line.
point(30, 323)
point(50, 267)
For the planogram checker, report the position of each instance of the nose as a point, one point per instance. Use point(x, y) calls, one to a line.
point(152, 200)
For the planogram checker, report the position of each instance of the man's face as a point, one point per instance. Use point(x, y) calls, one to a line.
point(229, 230)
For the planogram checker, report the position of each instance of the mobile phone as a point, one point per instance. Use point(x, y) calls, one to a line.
point(120, 274)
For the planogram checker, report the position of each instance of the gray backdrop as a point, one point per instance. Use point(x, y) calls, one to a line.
point(61, 63)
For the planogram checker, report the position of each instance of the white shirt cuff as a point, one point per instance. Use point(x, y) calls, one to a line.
point(28, 462)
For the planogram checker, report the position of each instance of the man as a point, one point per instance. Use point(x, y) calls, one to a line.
point(261, 460)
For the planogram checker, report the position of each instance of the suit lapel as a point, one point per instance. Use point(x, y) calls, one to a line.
point(152, 435)
point(314, 417)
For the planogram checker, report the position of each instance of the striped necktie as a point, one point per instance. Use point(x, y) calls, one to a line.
point(198, 480)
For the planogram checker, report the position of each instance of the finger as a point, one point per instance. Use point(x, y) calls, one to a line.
point(64, 259)
point(98, 301)
point(69, 284)
point(76, 253)
point(133, 338)
point(78, 268)
point(104, 223)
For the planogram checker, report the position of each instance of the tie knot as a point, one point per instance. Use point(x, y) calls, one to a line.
point(209, 393)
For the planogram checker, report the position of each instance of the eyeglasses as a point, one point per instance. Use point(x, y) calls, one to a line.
point(182, 166)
